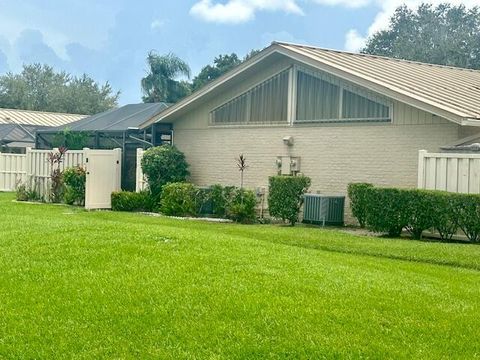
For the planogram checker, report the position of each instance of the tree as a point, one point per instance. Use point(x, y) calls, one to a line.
point(444, 35)
point(162, 84)
point(221, 65)
point(39, 87)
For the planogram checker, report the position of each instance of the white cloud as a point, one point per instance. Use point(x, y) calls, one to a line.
point(354, 40)
point(240, 11)
point(345, 3)
point(156, 25)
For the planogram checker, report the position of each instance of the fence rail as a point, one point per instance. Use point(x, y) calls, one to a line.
point(449, 172)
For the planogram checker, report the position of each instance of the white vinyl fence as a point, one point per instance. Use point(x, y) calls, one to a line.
point(33, 169)
point(13, 171)
point(141, 181)
point(449, 172)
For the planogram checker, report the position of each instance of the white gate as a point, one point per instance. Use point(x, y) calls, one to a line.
point(449, 172)
point(103, 177)
point(140, 181)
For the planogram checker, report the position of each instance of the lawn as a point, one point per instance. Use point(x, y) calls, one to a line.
point(88, 285)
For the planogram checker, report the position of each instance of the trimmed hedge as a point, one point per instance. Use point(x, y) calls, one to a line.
point(132, 201)
point(285, 196)
point(357, 192)
point(390, 210)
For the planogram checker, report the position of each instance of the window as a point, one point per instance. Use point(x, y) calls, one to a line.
point(317, 99)
point(266, 103)
point(324, 99)
point(355, 106)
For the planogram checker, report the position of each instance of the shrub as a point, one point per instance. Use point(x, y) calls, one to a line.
point(162, 165)
point(421, 211)
point(241, 207)
point(467, 208)
point(26, 193)
point(358, 194)
point(445, 217)
point(74, 179)
point(285, 196)
point(179, 199)
point(387, 210)
point(132, 201)
point(221, 198)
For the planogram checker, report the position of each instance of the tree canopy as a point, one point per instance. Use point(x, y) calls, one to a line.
point(221, 64)
point(444, 35)
point(38, 87)
point(163, 81)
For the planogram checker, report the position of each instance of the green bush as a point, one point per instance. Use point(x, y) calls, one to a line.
point(387, 210)
point(285, 196)
point(74, 180)
point(179, 199)
point(421, 211)
point(132, 201)
point(162, 165)
point(358, 194)
point(445, 214)
point(467, 208)
point(232, 203)
point(241, 206)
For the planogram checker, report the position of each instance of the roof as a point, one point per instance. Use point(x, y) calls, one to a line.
point(449, 92)
point(120, 119)
point(38, 118)
point(17, 134)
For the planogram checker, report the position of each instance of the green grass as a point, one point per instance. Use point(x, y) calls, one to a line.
point(89, 285)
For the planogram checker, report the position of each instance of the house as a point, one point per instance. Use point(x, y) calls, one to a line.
point(18, 127)
point(115, 128)
point(341, 117)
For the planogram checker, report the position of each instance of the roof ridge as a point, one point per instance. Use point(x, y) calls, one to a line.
point(374, 56)
point(42, 112)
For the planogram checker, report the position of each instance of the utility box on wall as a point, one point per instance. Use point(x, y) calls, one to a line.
point(288, 165)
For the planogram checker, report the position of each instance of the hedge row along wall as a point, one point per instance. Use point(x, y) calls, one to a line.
point(391, 210)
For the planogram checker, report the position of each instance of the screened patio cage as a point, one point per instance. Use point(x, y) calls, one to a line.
point(117, 128)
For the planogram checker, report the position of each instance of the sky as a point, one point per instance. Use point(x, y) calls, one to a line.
point(110, 39)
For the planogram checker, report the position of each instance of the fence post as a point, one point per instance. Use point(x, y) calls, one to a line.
point(139, 181)
point(421, 168)
point(118, 174)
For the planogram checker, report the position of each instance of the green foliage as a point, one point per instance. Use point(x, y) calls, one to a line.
point(162, 165)
point(467, 211)
point(285, 196)
point(38, 87)
point(27, 193)
point(358, 194)
point(179, 199)
point(132, 201)
point(392, 210)
point(74, 179)
point(387, 210)
point(221, 65)
point(161, 84)
point(446, 35)
point(242, 206)
point(72, 140)
point(221, 199)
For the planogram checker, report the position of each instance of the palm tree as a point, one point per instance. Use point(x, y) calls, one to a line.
point(161, 83)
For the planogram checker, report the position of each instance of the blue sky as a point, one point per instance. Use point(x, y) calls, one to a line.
point(109, 40)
